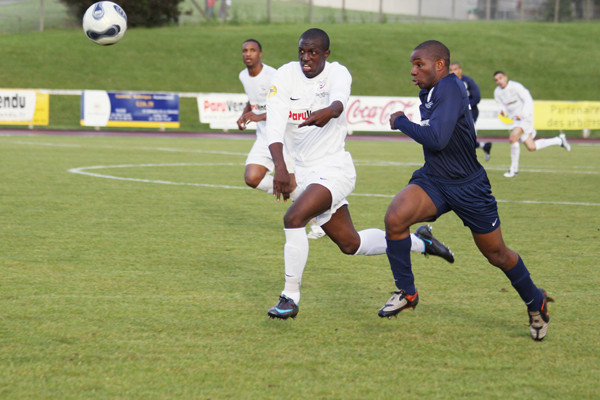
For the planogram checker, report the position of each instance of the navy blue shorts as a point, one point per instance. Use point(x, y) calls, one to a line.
point(471, 199)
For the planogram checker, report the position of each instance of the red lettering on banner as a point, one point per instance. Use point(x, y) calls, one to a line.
point(215, 106)
point(376, 115)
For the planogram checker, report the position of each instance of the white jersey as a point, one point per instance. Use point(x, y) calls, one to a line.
point(257, 89)
point(515, 100)
point(293, 97)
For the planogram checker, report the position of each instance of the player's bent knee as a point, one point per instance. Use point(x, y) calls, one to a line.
point(291, 220)
point(396, 223)
point(348, 249)
point(253, 180)
point(348, 246)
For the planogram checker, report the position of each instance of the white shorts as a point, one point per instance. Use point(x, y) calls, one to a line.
point(261, 155)
point(527, 126)
point(338, 175)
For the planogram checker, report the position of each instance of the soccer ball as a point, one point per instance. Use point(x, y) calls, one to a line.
point(105, 23)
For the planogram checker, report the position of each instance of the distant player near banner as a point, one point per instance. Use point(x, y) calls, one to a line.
point(256, 79)
point(516, 103)
point(474, 99)
point(306, 111)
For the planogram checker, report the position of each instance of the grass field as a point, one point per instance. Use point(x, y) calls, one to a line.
point(151, 280)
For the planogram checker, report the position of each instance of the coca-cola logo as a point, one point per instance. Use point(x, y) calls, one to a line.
point(377, 114)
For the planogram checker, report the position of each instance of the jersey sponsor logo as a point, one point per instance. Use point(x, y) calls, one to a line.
point(298, 116)
point(258, 107)
point(322, 85)
point(272, 91)
point(294, 99)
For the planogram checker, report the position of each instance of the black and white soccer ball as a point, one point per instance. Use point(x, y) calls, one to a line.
point(105, 23)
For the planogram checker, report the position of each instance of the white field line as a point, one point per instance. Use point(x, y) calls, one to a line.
point(85, 171)
point(586, 170)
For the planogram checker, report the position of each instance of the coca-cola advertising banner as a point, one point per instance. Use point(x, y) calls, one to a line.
point(364, 113)
point(372, 113)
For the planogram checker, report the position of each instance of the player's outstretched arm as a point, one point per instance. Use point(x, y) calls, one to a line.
point(321, 117)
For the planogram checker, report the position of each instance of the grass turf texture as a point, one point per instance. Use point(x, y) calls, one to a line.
point(141, 290)
point(208, 59)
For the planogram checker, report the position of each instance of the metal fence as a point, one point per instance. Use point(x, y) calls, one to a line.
point(391, 11)
point(31, 15)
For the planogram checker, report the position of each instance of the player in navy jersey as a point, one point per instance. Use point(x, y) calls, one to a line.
point(474, 98)
point(451, 179)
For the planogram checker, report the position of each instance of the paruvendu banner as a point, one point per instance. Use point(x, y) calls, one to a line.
point(24, 107)
point(129, 109)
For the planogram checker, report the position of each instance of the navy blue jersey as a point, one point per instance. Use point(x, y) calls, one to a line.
point(474, 94)
point(447, 130)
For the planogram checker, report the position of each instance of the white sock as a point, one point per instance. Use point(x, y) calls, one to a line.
point(515, 151)
point(417, 245)
point(542, 143)
point(295, 254)
point(266, 185)
point(372, 243)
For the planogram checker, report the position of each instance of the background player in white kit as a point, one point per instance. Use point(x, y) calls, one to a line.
point(256, 79)
point(516, 103)
point(305, 110)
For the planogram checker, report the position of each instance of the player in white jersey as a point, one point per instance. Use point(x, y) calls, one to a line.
point(306, 115)
point(256, 79)
point(516, 103)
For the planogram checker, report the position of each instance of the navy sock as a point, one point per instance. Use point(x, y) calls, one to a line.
point(521, 281)
point(398, 252)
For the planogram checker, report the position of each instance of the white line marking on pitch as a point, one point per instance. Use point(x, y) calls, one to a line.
point(587, 170)
point(84, 171)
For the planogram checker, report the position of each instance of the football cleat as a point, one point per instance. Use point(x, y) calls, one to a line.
point(539, 320)
point(487, 148)
point(564, 143)
point(399, 301)
point(286, 308)
point(432, 245)
point(510, 174)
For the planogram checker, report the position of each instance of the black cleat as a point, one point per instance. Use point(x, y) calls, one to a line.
point(539, 320)
point(432, 245)
point(487, 148)
point(286, 308)
point(399, 301)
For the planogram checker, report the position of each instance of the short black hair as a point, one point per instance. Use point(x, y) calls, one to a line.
point(499, 72)
point(255, 41)
point(317, 34)
point(437, 49)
